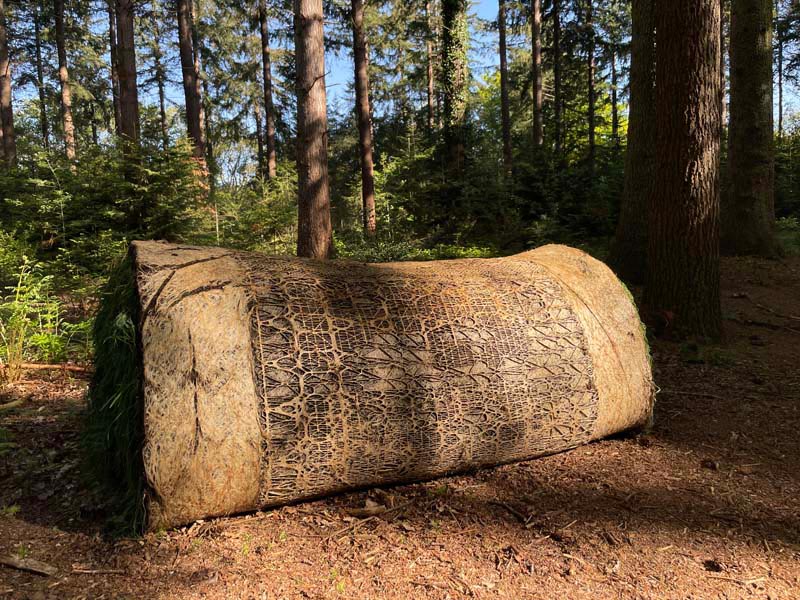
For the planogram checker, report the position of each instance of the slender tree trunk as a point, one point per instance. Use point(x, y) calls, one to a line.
point(44, 124)
point(748, 211)
point(128, 93)
point(683, 278)
point(455, 41)
point(429, 57)
point(262, 166)
point(63, 77)
point(614, 100)
point(590, 74)
point(9, 140)
point(723, 80)
point(207, 119)
point(536, 72)
point(269, 107)
point(557, 106)
point(628, 256)
point(191, 90)
point(112, 44)
point(160, 75)
point(364, 117)
point(781, 43)
point(200, 84)
point(314, 235)
point(505, 116)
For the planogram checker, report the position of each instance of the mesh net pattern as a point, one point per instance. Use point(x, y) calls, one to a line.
point(371, 374)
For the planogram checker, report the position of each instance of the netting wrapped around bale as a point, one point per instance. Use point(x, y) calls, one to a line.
point(266, 380)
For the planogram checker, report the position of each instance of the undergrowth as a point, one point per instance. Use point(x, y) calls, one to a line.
point(114, 432)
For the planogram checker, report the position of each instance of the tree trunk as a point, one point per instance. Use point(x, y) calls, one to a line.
point(628, 256)
point(557, 75)
point(429, 57)
point(505, 116)
point(44, 124)
point(128, 94)
point(191, 89)
point(112, 44)
point(272, 162)
point(364, 117)
point(262, 163)
point(160, 75)
point(536, 72)
point(748, 212)
point(614, 100)
point(455, 40)
point(314, 212)
point(9, 140)
point(723, 80)
point(590, 74)
point(683, 278)
point(63, 77)
point(780, 33)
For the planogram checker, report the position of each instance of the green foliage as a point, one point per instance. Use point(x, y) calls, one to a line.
point(788, 232)
point(114, 430)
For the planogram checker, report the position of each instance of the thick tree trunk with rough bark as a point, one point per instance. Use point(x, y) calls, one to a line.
point(44, 123)
point(314, 235)
point(9, 141)
point(364, 117)
point(628, 255)
point(113, 53)
point(128, 93)
point(683, 277)
point(269, 107)
point(505, 116)
point(536, 72)
point(191, 90)
point(748, 211)
point(63, 77)
point(455, 41)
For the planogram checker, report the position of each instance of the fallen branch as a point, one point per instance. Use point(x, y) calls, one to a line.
point(55, 367)
point(28, 564)
point(99, 571)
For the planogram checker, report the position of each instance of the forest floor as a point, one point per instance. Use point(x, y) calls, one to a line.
point(706, 505)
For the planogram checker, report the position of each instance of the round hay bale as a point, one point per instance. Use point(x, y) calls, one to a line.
point(266, 380)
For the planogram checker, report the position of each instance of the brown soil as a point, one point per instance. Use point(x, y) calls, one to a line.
point(706, 505)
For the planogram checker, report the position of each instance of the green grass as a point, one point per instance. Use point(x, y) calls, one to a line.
point(114, 428)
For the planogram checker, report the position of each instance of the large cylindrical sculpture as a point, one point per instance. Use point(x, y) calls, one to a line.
point(267, 380)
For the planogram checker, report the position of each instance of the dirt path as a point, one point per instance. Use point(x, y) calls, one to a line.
point(707, 505)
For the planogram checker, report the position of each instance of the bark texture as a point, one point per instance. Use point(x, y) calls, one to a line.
point(429, 33)
point(269, 107)
point(190, 76)
point(8, 138)
point(364, 117)
point(590, 85)
point(628, 255)
point(128, 92)
point(748, 209)
point(44, 122)
point(314, 235)
point(68, 125)
point(269, 380)
point(557, 103)
point(536, 72)
point(683, 276)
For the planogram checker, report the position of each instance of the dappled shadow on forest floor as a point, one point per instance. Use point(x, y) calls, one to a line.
point(706, 503)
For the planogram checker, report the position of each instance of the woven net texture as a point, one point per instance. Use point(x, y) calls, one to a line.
point(268, 380)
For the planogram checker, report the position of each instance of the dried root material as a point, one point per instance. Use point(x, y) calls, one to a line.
point(268, 380)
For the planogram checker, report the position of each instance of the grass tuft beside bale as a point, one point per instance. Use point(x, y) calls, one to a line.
point(114, 431)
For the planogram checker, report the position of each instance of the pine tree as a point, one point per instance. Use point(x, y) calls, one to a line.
point(269, 105)
point(628, 254)
point(189, 69)
point(536, 72)
point(455, 74)
point(314, 235)
point(128, 91)
point(683, 276)
point(748, 210)
point(505, 116)
point(9, 141)
point(363, 116)
point(66, 90)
